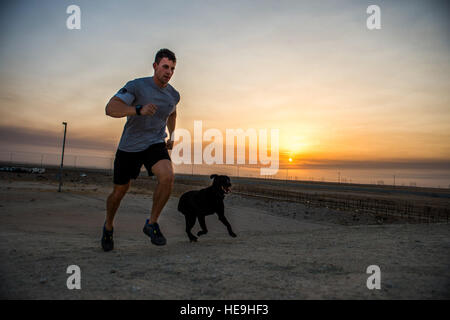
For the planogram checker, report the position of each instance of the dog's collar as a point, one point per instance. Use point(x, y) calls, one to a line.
point(218, 191)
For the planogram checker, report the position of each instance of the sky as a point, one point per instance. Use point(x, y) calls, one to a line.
point(336, 90)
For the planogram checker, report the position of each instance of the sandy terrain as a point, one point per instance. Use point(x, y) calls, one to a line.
point(283, 250)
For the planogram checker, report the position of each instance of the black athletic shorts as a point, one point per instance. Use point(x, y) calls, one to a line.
point(127, 165)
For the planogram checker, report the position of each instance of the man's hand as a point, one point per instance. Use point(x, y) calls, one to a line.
point(149, 109)
point(169, 144)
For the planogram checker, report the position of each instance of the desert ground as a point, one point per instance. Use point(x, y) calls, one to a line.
point(284, 250)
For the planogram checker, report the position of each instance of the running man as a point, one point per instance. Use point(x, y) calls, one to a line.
point(149, 105)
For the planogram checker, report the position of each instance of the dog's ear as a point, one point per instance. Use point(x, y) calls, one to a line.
point(213, 176)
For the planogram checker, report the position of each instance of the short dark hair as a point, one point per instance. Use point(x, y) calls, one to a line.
point(165, 53)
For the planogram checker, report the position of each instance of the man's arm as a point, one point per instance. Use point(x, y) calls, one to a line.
point(171, 122)
point(116, 108)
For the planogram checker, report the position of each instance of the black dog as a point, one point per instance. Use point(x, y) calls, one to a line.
point(204, 202)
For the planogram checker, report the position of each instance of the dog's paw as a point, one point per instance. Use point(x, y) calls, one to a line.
point(232, 234)
point(193, 239)
point(201, 232)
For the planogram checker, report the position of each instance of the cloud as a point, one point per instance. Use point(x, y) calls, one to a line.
point(12, 135)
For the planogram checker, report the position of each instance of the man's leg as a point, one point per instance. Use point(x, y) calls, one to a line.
point(113, 203)
point(164, 172)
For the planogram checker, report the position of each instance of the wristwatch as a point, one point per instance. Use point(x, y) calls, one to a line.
point(138, 109)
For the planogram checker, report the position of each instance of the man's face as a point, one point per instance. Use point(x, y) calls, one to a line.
point(164, 70)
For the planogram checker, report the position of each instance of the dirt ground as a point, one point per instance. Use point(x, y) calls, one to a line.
point(283, 250)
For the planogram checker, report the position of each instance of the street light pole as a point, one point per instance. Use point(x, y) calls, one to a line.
point(62, 157)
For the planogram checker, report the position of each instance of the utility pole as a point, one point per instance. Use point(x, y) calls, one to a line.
point(62, 157)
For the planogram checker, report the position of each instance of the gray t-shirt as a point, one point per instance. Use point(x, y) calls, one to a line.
point(140, 132)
